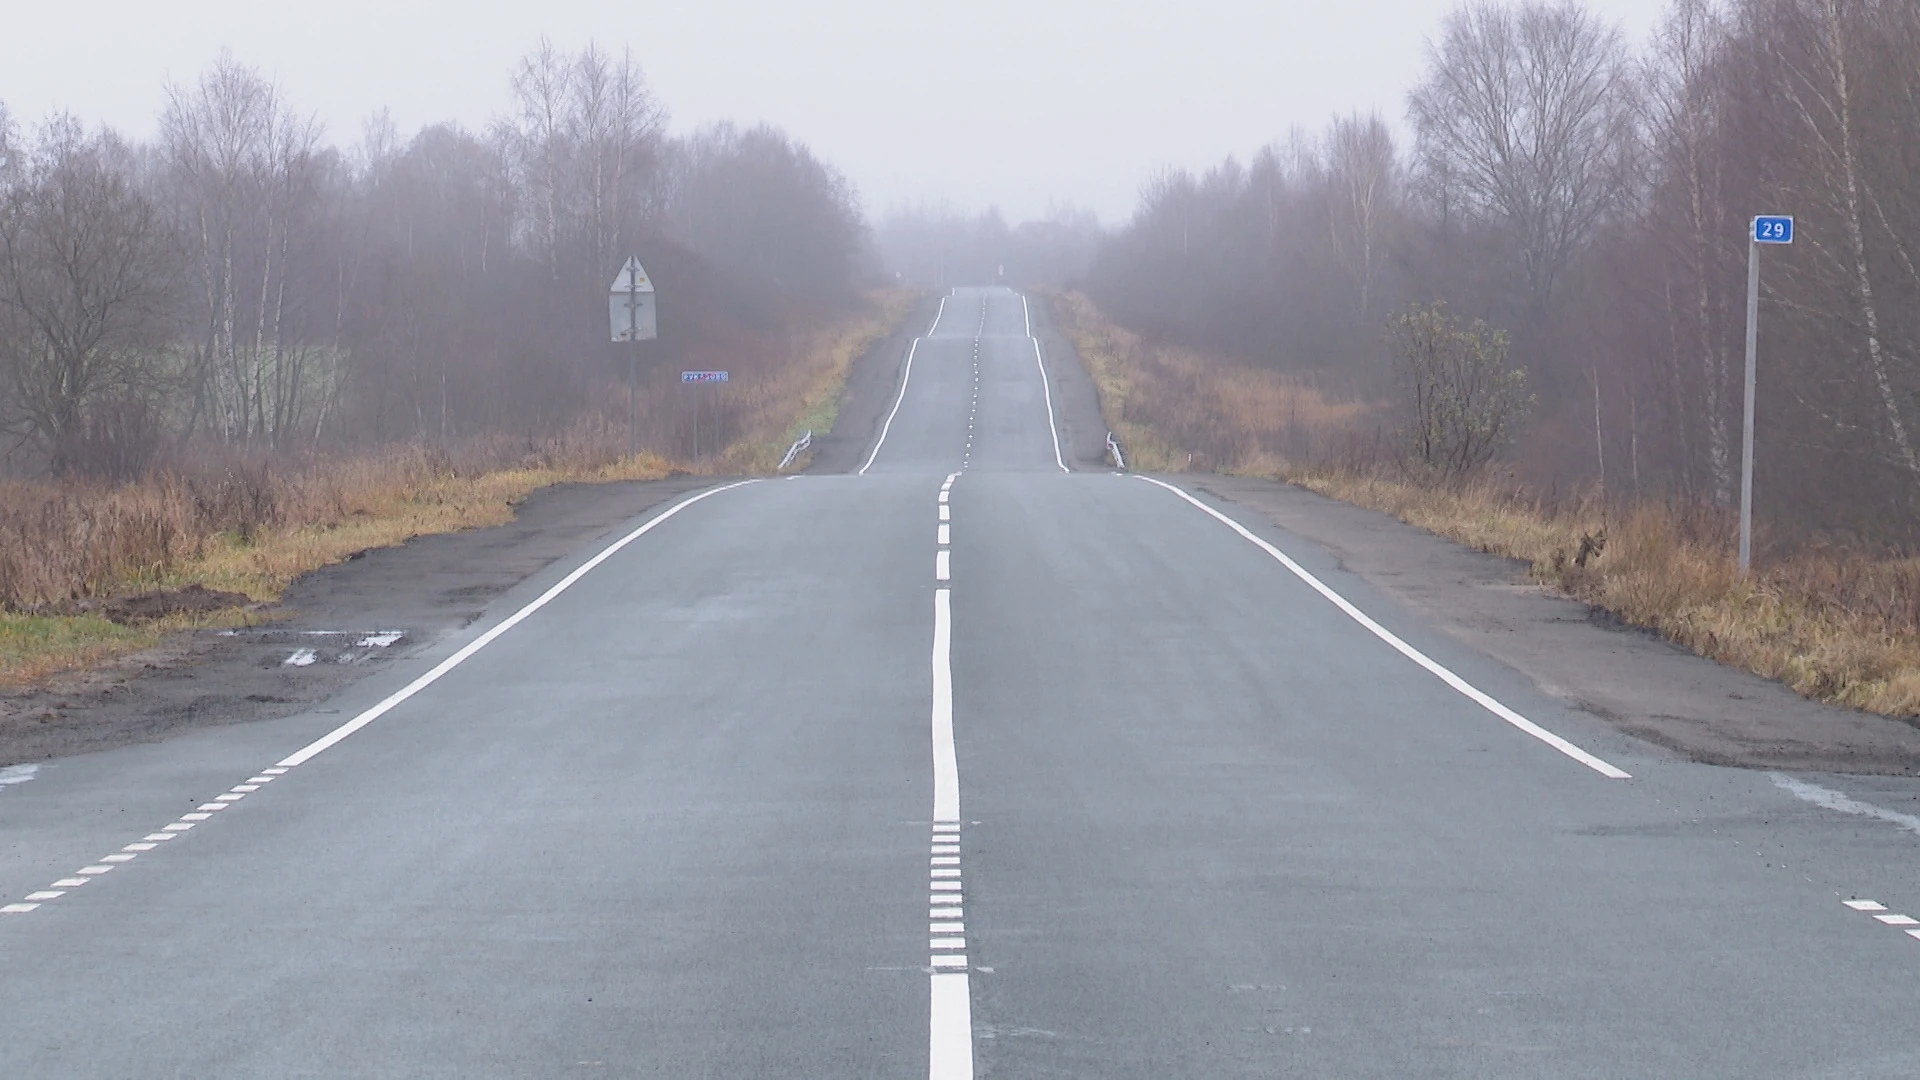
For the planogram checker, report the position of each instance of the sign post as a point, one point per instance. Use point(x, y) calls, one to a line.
point(699, 378)
point(630, 311)
point(1767, 229)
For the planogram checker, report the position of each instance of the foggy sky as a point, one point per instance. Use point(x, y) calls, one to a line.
point(1014, 103)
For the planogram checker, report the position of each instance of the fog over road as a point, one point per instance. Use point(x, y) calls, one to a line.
point(965, 765)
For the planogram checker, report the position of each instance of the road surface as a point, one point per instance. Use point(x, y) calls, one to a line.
point(961, 765)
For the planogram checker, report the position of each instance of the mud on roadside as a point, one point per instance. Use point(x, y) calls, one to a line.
point(333, 626)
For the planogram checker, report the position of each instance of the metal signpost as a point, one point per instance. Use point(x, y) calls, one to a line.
point(697, 378)
point(1767, 229)
point(630, 311)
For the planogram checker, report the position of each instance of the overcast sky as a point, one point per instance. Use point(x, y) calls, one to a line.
point(1014, 103)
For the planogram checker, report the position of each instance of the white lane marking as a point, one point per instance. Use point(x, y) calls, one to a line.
point(946, 766)
point(17, 909)
point(70, 882)
point(300, 658)
point(950, 1041)
point(1462, 686)
point(1898, 920)
point(228, 797)
point(158, 836)
point(259, 779)
point(20, 774)
point(946, 928)
point(317, 746)
point(55, 894)
point(1865, 905)
point(212, 806)
point(93, 871)
point(118, 857)
point(178, 827)
point(276, 771)
point(382, 639)
point(245, 789)
point(140, 847)
point(888, 425)
point(944, 496)
point(1845, 804)
point(945, 860)
point(1046, 388)
point(197, 815)
point(944, 535)
point(942, 566)
point(950, 1001)
point(904, 380)
point(946, 512)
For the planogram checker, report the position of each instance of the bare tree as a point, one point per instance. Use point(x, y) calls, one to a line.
point(1824, 90)
point(83, 285)
point(1683, 101)
point(1525, 110)
point(1363, 173)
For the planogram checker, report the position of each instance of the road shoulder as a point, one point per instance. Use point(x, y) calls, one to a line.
point(1635, 681)
point(334, 626)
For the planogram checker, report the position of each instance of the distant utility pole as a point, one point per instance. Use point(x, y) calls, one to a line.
point(1767, 229)
point(630, 311)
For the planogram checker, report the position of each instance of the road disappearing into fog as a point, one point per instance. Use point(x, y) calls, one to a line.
point(962, 765)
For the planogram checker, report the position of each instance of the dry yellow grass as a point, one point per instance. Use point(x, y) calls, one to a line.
point(1838, 626)
point(253, 528)
point(1175, 409)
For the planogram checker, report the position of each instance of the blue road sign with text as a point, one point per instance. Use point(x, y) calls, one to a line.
point(703, 376)
point(1773, 229)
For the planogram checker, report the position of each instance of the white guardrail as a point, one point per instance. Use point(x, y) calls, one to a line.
point(799, 446)
point(1113, 451)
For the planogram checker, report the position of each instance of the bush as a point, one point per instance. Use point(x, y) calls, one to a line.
point(1463, 401)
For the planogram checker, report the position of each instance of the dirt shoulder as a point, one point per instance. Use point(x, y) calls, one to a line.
point(1076, 403)
point(333, 626)
point(872, 384)
point(1636, 681)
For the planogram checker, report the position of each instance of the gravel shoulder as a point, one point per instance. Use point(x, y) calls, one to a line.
point(1639, 683)
point(333, 627)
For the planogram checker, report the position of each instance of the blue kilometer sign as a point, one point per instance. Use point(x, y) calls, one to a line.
point(1773, 229)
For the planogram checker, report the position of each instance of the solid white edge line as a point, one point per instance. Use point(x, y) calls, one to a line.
point(904, 380)
point(1045, 387)
point(317, 746)
point(1462, 686)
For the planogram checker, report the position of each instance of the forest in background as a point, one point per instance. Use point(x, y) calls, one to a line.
point(241, 287)
point(1591, 197)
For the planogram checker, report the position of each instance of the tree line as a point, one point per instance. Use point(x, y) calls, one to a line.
point(1591, 198)
point(238, 281)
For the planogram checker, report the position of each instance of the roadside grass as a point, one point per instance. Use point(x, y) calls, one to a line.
point(252, 526)
point(1836, 625)
point(804, 393)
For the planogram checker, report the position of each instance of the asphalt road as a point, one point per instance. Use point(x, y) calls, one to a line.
point(967, 765)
